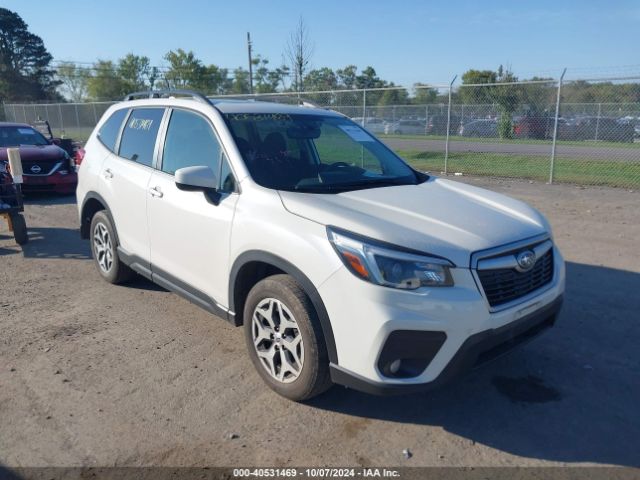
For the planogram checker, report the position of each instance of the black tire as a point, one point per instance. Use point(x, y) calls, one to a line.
point(313, 378)
point(20, 232)
point(118, 272)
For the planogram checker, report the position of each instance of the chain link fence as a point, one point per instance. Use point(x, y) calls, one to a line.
point(579, 131)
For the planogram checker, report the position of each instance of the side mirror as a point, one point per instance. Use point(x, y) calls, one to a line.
point(196, 178)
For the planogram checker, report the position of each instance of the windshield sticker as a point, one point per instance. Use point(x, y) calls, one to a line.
point(26, 131)
point(356, 133)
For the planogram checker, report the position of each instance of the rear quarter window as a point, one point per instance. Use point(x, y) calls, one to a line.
point(108, 133)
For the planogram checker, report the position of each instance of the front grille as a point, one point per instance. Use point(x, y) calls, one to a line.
point(505, 285)
point(45, 166)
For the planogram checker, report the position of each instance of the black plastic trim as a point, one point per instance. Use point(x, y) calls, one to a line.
point(135, 263)
point(84, 226)
point(476, 350)
point(305, 283)
point(175, 285)
point(199, 97)
point(416, 349)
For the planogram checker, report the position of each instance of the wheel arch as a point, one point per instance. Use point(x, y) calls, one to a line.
point(243, 277)
point(93, 203)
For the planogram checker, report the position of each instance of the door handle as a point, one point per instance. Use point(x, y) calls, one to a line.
point(156, 192)
point(108, 173)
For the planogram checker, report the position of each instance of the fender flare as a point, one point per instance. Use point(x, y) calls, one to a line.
point(84, 227)
point(301, 278)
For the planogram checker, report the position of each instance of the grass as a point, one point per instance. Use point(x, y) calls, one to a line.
point(516, 141)
point(567, 170)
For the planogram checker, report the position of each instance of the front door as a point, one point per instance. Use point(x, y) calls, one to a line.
point(189, 232)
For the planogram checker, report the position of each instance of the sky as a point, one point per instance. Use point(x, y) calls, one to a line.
point(405, 41)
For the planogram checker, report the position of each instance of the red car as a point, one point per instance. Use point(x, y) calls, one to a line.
point(46, 166)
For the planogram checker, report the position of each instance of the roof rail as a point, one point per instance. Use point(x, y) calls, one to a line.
point(197, 96)
point(309, 104)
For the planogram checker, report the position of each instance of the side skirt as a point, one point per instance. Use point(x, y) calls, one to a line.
point(165, 280)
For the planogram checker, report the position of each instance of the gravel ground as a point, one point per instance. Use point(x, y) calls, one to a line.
point(97, 375)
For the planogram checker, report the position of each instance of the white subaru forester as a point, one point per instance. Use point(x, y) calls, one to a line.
point(344, 264)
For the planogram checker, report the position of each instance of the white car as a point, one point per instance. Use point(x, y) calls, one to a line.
point(343, 263)
point(406, 127)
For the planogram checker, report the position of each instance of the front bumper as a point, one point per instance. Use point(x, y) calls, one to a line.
point(56, 182)
point(477, 350)
point(366, 317)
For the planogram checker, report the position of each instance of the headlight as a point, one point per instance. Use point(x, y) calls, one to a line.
point(392, 268)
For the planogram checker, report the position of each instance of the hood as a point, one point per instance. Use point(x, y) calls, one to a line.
point(33, 153)
point(441, 217)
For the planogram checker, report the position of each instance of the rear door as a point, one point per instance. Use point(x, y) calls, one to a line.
point(125, 176)
point(190, 232)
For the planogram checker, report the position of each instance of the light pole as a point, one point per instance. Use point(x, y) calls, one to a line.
point(250, 63)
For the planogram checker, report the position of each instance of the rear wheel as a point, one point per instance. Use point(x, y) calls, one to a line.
point(104, 249)
point(20, 232)
point(284, 338)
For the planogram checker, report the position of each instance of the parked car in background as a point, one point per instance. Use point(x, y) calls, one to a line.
point(597, 128)
point(533, 126)
point(437, 124)
point(634, 122)
point(406, 127)
point(479, 128)
point(46, 166)
point(373, 124)
point(67, 144)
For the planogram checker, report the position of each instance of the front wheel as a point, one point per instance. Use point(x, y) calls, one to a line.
point(285, 340)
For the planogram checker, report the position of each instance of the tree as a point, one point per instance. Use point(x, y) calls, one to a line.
point(187, 71)
point(298, 51)
point(424, 94)
point(279, 76)
point(240, 82)
point(368, 78)
point(393, 96)
point(321, 79)
point(508, 99)
point(538, 98)
point(497, 91)
point(472, 92)
point(266, 80)
point(25, 63)
point(134, 71)
point(347, 77)
point(105, 83)
point(74, 81)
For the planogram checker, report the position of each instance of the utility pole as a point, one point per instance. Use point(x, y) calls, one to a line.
point(250, 63)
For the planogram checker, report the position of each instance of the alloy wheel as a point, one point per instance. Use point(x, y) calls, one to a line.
point(103, 247)
point(277, 340)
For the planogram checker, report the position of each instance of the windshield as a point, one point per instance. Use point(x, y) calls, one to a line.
point(15, 136)
point(315, 153)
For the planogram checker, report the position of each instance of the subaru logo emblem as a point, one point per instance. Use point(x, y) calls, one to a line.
point(36, 169)
point(526, 260)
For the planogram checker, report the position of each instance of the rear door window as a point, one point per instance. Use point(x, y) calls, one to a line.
point(108, 133)
point(139, 135)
